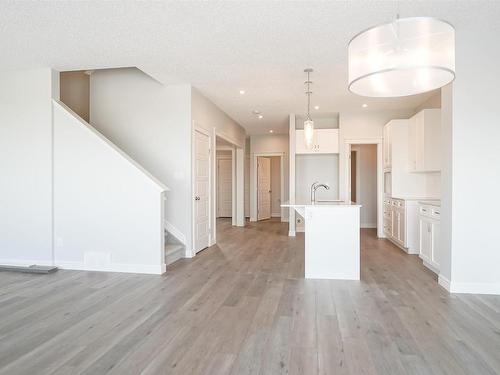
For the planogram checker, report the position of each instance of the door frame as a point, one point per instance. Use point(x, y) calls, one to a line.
point(253, 182)
point(216, 184)
point(198, 128)
point(358, 175)
point(380, 176)
point(213, 178)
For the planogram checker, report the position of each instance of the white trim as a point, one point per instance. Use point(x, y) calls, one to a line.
point(191, 252)
point(116, 267)
point(236, 198)
point(254, 182)
point(154, 269)
point(275, 214)
point(175, 232)
point(475, 288)
point(380, 176)
point(469, 288)
point(291, 174)
point(444, 282)
point(233, 186)
point(369, 225)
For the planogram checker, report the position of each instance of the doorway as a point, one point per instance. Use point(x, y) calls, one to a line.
point(224, 183)
point(263, 188)
point(364, 182)
point(266, 190)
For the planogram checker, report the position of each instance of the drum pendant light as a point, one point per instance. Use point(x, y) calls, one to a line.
point(406, 57)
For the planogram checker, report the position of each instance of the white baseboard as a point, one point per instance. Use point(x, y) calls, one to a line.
point(276, 214)
point(369, 225)
point(291, 233)
point(444, 282)
point(469, 288)
point(475, 288)
point(154, 269)
point(175, 232)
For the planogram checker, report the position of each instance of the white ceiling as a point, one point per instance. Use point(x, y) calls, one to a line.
point(219, 47)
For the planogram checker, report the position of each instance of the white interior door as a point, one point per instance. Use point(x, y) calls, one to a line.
point(201, 193)
point(263, 188)
point(224, 188)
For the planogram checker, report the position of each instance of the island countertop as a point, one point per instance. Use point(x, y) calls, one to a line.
point(332, 204)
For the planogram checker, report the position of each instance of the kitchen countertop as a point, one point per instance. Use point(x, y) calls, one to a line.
point(332, 204)
point(431, 202)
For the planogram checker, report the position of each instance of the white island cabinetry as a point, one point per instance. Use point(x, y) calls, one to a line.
point(332, 242)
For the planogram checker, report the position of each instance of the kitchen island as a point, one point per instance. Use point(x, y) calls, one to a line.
point(332, 231)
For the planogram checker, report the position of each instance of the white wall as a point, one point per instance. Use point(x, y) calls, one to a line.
point(108, 212)
point(268, 144)
point(207, 115)
point(472, 173)
point(366, 181)
point(26, 165)
point(152, 124)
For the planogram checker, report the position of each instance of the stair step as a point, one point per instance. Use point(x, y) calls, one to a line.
point(173, 252)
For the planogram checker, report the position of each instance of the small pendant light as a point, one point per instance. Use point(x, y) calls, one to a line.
point(308, 123)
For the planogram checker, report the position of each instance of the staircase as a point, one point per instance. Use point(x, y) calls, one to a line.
point(174, 249)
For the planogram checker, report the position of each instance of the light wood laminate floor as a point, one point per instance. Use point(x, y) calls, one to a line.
point(243, 307)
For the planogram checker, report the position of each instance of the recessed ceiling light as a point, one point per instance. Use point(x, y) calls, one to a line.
point(271, 131)
point(365, 105)
point(260, 116)
point(255, 112)
point(242, 92)
point(316, 107)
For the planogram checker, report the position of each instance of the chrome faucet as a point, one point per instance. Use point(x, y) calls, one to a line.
point(314, 187)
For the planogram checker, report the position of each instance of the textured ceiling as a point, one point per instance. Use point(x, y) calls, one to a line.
point(218, 47)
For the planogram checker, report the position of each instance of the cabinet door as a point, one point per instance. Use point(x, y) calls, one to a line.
point(327, 141)
point(412, 144)
point(402, 228)
point(431, 140)
point(387, 146)
point(419, 141)
point(424, 141)
point(435, 257)
point(395, 224)
point(425, 239)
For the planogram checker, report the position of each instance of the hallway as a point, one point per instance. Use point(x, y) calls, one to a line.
point(243, 307)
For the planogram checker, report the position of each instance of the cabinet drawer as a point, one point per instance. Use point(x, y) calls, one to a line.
point(436, 212)
point(424, 210)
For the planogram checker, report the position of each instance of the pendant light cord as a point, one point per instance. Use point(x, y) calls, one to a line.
point(308, 93)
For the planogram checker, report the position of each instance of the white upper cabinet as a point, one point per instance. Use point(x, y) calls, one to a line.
point(424, 141)
point(387, 147)
point(326, 141)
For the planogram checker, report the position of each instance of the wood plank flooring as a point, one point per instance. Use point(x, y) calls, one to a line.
point(243, 307)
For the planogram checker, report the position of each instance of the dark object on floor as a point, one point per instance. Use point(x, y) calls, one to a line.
point(29, 269)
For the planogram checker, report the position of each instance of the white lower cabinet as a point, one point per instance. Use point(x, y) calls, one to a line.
point(400, 223)
point(429, 228)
